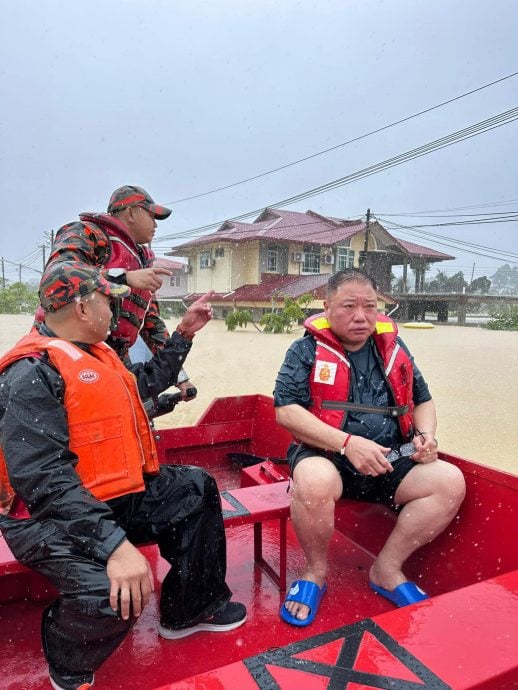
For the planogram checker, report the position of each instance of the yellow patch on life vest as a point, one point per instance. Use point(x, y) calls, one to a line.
point(325, 372)
point(384, 327)
point(320, 323)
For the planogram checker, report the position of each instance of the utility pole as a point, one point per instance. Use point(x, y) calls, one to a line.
point(366, 243)
point(3, 274)
point(49, 237)
point(42, 247)
point(19, 273)
point(472, 273)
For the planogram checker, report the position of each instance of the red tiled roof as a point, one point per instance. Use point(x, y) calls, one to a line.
point(167, 263)
point(307, 228)
point(273, 285)
point(278, 224)
point(419, 250)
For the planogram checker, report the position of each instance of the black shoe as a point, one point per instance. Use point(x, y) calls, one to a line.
point(66, 682)
point(229, 617)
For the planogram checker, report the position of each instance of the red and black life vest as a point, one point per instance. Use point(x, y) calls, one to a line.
point(330, 376)
point(126, 254)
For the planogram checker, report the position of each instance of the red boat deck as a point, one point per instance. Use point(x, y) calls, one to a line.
point(464, 637)
point(145, 661)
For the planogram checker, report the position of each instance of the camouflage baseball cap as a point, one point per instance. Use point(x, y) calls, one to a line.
point(65, 281)
point(131, 195)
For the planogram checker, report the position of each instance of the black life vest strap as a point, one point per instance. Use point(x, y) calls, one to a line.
point(394, 411)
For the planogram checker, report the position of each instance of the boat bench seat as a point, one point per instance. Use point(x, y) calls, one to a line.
point(8, 563)
point(243, 506)
point(255, 505)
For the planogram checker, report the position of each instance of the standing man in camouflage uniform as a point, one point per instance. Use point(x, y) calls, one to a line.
point(117, 242)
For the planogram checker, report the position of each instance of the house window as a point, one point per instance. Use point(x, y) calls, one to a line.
point(205, 260)
point(219, 252)
point(273, 258)
point(345, 258)
point(174, 281)
point(311, 260)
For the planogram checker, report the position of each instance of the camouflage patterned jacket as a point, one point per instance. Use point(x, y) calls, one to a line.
point(88, 241)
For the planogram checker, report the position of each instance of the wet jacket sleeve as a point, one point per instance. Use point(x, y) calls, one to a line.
point(292, 383)
point(80, 242)
point(161, 371)
point(35, 441)
point(154, 331)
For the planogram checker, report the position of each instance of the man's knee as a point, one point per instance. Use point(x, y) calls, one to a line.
point(439, 479)
point(315, 482)
point(453, 484)
point(189, 477)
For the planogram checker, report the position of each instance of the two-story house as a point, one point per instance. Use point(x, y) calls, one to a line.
point(288, 253)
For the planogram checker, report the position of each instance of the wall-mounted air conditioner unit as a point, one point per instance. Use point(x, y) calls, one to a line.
point(329, 259)
point(298, 257)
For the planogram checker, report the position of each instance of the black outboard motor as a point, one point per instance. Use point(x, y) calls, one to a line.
point(165, 403)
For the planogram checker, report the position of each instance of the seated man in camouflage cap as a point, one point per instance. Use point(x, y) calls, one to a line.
point(117, 242)
point(89, 476)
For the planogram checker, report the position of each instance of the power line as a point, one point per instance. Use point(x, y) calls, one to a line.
point(450, 215)
point(348, 224)
point(345, 143)
point(414, 233)
point(491, 254)
point(443, 237)
point(446, 210)
point(478, 128)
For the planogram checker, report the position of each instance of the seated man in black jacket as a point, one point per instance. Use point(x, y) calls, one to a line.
point(77, 449)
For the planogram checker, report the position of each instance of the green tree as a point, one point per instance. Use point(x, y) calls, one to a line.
point(504, 320)
point(273, 322)
point(443, 284)
point(505, 280)
point(19, 298)
point(238, 317)
point(292, 312)
point(480, 285)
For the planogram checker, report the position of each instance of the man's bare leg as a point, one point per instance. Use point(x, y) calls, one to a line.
point(431, 494)
point(316, 488)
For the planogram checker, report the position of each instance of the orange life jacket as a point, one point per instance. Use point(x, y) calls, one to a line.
point(108, 426)
point(330, 377)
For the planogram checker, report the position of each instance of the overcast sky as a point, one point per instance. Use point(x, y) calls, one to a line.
point(186, 97)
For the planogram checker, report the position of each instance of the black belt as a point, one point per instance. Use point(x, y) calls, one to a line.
point(396, 411)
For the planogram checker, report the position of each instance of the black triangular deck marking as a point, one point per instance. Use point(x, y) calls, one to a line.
point(239, 507)
point(343, 672)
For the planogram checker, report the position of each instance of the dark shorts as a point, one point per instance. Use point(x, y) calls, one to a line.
point(380, 489)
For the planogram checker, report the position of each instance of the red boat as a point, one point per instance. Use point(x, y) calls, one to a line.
point(464, 636)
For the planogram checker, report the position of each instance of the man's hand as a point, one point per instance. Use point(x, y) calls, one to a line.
point(130, 578)
point(183, 388)
point(425, 418)
point(147, 278)
point(198, 314)
point(426, 448)
point(368, 457)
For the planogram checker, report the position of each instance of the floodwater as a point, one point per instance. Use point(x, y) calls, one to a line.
point(472, 374)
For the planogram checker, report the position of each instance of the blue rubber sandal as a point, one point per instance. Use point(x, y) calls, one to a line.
point(403, 595)
point(307, 593)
